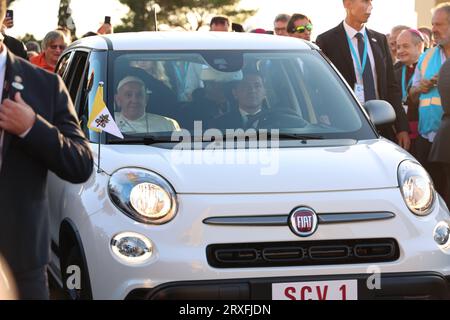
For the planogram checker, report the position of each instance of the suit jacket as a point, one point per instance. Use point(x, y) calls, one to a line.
point(440, 152)
point(15, 46)
point(335, 46)
point(230, 120)
point(55, 143)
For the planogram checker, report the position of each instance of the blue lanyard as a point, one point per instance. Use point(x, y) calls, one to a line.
point(405, 87)
point(356, 56)
point(182, 77)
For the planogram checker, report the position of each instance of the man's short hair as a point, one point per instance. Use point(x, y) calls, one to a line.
point(399, 28)
point(443, 7)
point(33, 46)
point(295, 17)
point(282, 17)
point(426, 30)
point(52, 36)
point(219, 20)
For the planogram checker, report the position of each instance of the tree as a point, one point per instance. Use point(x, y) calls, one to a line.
point(65, 16)
point(27, 37)
point(187, 14)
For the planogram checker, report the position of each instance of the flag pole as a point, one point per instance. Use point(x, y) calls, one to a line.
point(99, 170)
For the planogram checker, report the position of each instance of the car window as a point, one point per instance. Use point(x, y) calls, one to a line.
point(75, 74)
point(62, 66)
point(95, 73)
point(292, 91)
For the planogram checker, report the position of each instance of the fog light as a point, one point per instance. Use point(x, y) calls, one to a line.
point(132, 247)
point(442, 233)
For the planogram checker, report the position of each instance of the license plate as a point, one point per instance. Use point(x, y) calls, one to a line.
point(323, 290)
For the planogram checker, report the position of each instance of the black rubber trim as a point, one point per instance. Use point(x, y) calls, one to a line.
point(82, 252)
point(302, 253)
point(108, 43)
point(396, 286)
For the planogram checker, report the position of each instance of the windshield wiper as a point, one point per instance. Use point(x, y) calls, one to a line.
point(147, 140)
point(298, 136)
point(269, 135)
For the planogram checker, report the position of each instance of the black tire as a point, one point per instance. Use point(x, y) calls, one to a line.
point(74, 258)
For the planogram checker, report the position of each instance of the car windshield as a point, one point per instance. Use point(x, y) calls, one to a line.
point(159, 94)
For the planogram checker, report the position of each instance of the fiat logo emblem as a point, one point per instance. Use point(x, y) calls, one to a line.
point(303, 222)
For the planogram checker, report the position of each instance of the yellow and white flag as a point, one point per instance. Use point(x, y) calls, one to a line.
point(100, 118)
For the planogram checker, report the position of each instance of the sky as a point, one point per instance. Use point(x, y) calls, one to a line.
point(39, 17)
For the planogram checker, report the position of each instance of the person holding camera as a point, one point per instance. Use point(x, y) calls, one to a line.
point(15, 46)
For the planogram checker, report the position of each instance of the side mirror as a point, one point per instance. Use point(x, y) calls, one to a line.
point(380, 112)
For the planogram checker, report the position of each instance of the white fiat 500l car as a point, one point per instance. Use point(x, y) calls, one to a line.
point(248, 170)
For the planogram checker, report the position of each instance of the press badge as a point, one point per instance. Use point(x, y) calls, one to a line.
point(359, 92)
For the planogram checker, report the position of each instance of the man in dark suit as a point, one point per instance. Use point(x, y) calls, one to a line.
point(362, 57)
point(440, 152)
point(250, 95)
point(39, 132)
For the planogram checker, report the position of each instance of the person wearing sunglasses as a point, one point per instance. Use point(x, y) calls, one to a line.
point(53, 45)
point(300, 26)
point(280, 25)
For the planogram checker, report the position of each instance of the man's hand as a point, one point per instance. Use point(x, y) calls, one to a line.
point(8, 22)
point(16, 117)
point(426, 85)
point(403, 140)
point(106, 28)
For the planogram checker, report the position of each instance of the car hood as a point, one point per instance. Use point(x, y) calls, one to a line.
point(360, 166)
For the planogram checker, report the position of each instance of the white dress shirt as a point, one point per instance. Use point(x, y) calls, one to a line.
point(356, 63)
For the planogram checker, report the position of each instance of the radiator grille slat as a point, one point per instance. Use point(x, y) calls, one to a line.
point(302, 253)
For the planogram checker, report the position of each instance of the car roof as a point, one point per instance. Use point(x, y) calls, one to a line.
point(159, 41)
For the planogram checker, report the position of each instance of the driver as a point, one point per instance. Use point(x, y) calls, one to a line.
point(131, 99)
point(250, 95)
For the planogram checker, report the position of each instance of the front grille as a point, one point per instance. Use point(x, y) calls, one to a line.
point(302, 253)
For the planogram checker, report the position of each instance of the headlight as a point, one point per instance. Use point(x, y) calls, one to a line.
point(416, 187)
point(143, 195)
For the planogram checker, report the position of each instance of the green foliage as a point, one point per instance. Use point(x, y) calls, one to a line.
point(28, 37)
point(187, 14)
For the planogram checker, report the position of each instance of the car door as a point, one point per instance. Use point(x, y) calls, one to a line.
point(71, 67)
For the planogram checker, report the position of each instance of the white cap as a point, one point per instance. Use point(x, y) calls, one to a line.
point(129, 79)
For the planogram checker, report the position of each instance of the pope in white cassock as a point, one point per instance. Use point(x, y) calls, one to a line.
point(131, 99)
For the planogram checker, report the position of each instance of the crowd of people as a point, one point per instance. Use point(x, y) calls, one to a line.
point(409, 68)
point(401, 67)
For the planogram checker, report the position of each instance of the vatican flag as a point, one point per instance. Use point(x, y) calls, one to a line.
point(100, 118)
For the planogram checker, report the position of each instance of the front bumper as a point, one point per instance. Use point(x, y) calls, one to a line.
point(402, 286)
point(180, 247)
